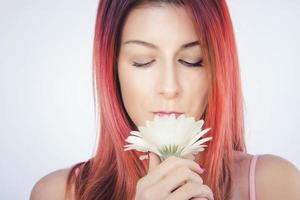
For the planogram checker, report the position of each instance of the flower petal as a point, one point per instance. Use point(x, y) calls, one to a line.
point(202, 140)
point(167, 135)
point(138, 148)
point(136, 140)
point(136, 133)
point(198, 136)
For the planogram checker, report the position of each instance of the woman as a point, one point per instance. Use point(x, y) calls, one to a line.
point(154, 56)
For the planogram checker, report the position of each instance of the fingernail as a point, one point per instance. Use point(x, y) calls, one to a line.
point(201, 169)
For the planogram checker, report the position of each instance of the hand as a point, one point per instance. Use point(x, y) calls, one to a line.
point(173, 179)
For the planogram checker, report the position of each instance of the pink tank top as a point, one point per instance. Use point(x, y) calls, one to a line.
point(252, 178)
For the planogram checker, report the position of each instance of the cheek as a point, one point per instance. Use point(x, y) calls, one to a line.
point(196, 92)
point(135, 85)
point(129, 88)
point(134, 93)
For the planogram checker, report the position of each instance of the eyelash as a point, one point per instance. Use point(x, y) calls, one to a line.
point(197, 64)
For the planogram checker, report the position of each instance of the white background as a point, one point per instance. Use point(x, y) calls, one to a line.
point(46, 105)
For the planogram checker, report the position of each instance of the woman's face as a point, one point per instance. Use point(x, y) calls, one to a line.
point(168, 83)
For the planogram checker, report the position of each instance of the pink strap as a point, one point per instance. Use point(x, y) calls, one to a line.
point(252, 177)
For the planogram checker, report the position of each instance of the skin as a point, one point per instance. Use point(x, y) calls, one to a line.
point(166, 84)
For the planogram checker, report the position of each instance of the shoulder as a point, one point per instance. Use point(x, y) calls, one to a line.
point(276, 178)
point(51, 186)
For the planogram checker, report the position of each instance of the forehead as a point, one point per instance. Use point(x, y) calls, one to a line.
point(164, 25)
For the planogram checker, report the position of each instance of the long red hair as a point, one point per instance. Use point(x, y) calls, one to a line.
point(112, 173)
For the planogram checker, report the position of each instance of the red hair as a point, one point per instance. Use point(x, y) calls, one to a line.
point(112, 173)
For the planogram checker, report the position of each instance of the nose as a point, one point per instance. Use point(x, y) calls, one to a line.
point(168, 84)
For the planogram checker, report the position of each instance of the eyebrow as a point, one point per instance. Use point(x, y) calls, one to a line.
point(147, 44)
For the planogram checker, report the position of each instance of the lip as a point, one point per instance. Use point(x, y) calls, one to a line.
point(163, 113)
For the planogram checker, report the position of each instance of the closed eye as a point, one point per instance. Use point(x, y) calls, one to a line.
point(142, 64)
point(196, 64)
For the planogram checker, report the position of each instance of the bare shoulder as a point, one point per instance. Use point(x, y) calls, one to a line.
point(276, 178)
point(51, 186)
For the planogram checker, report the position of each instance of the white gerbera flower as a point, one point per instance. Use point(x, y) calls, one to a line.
point(168, 135)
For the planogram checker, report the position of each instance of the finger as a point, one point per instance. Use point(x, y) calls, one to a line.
point(179, 177)
point(205, 192)
point(171, 163)
point(154, 160)
point(191, 190)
